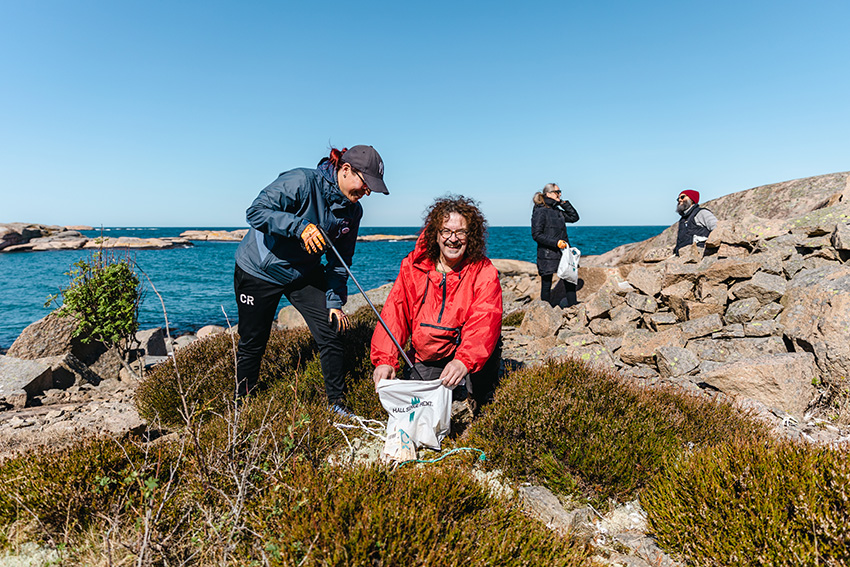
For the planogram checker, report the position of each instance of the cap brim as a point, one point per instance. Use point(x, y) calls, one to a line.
point(375, 184)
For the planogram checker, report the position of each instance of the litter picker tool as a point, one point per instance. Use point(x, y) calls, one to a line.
point(366, 297)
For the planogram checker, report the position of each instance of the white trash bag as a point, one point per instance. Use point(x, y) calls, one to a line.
point(568, 266)
point(420, 416)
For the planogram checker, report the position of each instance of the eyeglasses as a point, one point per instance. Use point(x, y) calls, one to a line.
point(365, 186)
point(558, 192)
point(681, 197)
point(461, 234)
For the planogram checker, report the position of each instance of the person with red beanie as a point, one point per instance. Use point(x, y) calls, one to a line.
point(696, 222)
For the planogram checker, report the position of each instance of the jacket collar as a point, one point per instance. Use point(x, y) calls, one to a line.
point(422, 262)
point(331, 191)
point(549, 202)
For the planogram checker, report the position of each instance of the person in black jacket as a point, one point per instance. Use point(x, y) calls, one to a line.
point(549, 230)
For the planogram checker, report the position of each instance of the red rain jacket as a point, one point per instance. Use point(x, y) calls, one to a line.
point(456, 315)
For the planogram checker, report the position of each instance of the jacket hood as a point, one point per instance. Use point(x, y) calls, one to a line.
point(332, 193)
point(420, 254)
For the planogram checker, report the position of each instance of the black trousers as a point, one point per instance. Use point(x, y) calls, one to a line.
point(565, 297)
point(257, 301)
point(480, 385)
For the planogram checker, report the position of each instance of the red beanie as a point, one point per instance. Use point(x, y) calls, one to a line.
point(693, 195)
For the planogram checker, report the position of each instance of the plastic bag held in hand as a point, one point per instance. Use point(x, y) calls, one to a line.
point(568, 266)
point(312, 239)
point(420, 416)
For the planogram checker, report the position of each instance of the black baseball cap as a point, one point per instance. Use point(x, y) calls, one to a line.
point(367, 161)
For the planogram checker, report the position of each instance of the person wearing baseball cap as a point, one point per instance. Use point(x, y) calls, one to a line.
point(281, 255)
point(696, 222)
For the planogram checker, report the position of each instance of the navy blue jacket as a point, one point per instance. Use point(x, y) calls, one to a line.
point(547, 228)
point(272, 249)
point(689, 228)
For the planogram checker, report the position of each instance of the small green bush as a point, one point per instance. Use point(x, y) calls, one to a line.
point(373, 516)
point(103, 296)
point(577, 428)
point(513, 319)
point(765, 503)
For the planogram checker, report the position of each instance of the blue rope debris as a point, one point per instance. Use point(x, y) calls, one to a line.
point(481, 457)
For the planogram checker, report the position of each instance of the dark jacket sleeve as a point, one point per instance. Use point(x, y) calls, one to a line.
point(569, 212)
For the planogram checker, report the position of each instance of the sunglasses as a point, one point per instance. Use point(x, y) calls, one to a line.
point(681, 197)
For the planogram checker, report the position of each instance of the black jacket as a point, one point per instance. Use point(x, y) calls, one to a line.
point(547, 228)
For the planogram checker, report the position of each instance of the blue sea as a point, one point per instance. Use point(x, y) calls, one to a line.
point(196, 283)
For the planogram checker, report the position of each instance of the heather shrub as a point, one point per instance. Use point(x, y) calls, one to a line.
point(768, 503)
point(579, 429)
point(412, 516)
point(67, 489)
point(513, 319)
point(205, 370)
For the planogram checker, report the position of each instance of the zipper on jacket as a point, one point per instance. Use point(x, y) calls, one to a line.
point(443, 306)
point(455, 330)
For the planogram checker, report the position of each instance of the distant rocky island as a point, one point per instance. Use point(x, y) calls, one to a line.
point(33, 237)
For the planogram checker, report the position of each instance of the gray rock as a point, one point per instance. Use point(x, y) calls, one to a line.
point(662, 320)
point(763, 328)
point(768, 312)
point(30, 376)
point(642, 302)
point(742, 311)
point(647, 281)
point(701, 327)
point(730, 350)
point(762, 286)
point(780, 380)
point(840, 238)
point(152, 341)
point(675, 361)
point(733, 331)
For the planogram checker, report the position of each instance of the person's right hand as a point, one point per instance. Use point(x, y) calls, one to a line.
point(383, 372)
point(562, 244)
point(312, 238)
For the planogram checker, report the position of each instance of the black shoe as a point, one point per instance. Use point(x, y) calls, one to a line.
point(339, 409)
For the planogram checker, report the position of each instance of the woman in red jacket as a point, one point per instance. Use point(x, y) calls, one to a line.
point(447, 301)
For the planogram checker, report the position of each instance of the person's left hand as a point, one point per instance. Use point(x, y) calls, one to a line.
point(343, 323)
point(562, 244)
point(453, 373)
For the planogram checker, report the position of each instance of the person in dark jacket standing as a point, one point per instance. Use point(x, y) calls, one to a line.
point(549, 230)
point(696, 222)
point(281, 255)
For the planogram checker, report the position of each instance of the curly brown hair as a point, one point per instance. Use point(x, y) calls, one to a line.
point(476, 225)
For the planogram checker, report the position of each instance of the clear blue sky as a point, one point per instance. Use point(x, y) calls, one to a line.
point(155, 113)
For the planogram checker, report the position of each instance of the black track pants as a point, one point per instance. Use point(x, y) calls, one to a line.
point(258, 300)
point(565, 297)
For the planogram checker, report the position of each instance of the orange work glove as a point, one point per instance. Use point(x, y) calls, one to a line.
point(313, 240)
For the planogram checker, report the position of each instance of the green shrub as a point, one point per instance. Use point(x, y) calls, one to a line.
point(569, 425)
point(373, 516)
point(103, 296)
point(513, 319)
point(755, 503)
